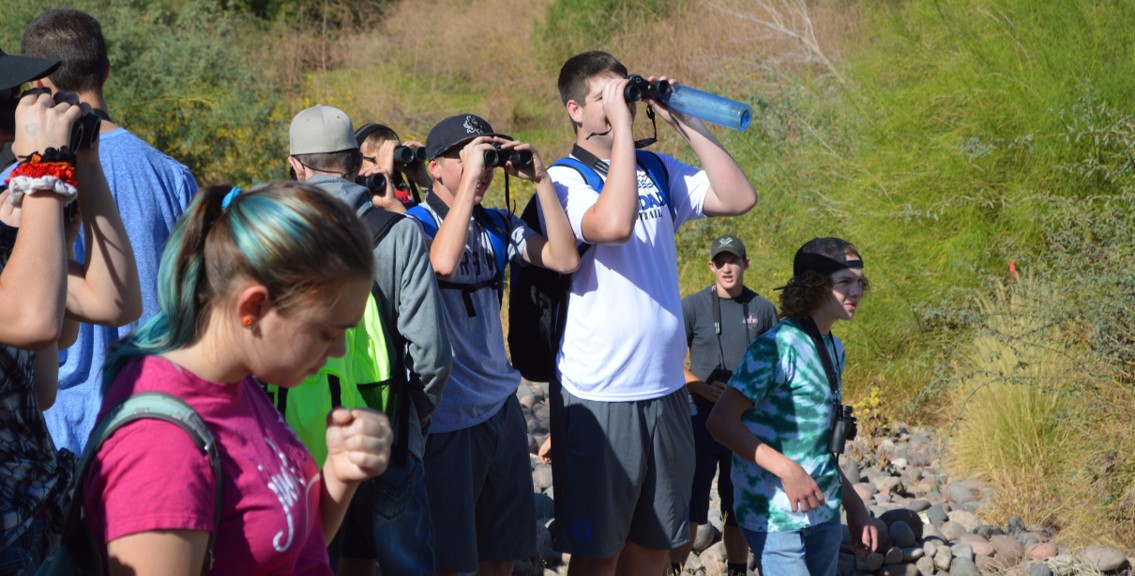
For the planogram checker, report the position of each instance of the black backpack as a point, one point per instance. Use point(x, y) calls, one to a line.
point(538, 297)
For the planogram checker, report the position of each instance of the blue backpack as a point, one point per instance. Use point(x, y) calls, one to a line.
point(498, 241)
point(538, 297)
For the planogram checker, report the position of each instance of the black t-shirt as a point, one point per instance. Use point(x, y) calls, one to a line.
point(742, 320)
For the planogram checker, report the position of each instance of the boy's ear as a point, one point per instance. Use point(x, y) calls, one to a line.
point(434, 168)
point(575, 111)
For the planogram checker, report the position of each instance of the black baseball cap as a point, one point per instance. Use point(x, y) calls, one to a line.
point(456, 131)
point(824, 256)
point(727, 243)
point(16, 70)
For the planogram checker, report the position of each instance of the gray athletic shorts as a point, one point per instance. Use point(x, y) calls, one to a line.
point(622, 472)
point(479, 481)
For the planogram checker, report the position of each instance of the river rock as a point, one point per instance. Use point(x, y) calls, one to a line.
point(1009, 550)
point(980, 546)
point(959, 494)
point(1041, 550)
point(1104, 558)
point(1038, 569)
point(967, 519)
point(964, 567)
point(901, 534)
point(936, 515)
point(962, 551)
point(925, 566)
point(907, 516)
point(952, 531)
point(900, 570)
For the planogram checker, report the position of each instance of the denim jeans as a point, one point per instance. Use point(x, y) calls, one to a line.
point(810, 551)
point(28, 551)
point(403, 532)
point(390, 521)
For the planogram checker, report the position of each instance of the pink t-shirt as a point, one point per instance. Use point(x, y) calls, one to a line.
point(150, 476)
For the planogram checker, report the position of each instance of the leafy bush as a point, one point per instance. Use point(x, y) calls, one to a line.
point(179, 81)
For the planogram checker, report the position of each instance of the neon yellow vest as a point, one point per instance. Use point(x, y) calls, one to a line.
point(363, 376)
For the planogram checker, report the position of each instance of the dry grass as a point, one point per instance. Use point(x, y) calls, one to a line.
point(1041, 424)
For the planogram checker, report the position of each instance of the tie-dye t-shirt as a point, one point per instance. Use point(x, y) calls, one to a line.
point(792, 409)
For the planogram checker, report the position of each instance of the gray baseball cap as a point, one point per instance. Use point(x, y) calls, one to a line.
point(16, 70)
point(320, 130)
point(727, 243)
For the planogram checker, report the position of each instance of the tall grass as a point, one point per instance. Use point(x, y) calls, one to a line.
point(1035, 419)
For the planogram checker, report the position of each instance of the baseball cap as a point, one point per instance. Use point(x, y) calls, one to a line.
point(455, 131)
point(320, 130)
point(727, 243)
point(15, 70)
point(824, 256)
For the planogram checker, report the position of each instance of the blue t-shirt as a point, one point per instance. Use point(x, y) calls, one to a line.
point(481, 378)
point(151, 191)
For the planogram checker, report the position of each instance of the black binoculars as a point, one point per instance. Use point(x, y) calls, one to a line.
point(84, 132)
point(844, 428)
point(497, 158)
point(409, 154)
point(376, 183)
point(639, 88)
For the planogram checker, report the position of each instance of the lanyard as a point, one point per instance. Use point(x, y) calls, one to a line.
point(825, 356)
point(717, 322)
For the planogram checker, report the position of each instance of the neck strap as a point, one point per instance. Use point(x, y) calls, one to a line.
point(813, 332)
point(716, 306)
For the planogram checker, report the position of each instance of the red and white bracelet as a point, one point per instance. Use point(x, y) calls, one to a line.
point(51, 172)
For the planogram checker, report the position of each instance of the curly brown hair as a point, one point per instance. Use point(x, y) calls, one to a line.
point(806, 292)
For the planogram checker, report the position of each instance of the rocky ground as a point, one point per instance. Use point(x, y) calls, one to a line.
point(928, 520)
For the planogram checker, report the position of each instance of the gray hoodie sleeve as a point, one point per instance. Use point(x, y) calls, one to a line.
point(407, 284)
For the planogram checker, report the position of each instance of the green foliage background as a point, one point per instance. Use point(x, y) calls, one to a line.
point(949, 139)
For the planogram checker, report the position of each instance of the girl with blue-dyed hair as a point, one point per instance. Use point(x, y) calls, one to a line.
point(254, 287)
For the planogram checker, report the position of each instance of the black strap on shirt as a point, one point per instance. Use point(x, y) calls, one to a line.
point(590, 159)
point(813, 332)
point(716, 306)
point(481, 216)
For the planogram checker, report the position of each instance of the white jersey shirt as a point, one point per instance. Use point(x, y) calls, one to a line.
point(624, 338)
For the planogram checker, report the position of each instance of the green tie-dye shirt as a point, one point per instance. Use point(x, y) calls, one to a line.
point(792, 409)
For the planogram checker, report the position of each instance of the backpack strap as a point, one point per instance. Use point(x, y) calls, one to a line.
point(498, 239)
point(498, 244)
point(161, 406)
point(426, 219)
point(380, 222)
point(650, 163)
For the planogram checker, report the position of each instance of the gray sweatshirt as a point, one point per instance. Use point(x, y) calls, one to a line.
point(409, 295)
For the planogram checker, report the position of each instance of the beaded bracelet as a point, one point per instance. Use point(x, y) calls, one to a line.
point(53, 171)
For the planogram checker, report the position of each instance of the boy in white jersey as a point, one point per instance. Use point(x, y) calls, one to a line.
point(623, 451)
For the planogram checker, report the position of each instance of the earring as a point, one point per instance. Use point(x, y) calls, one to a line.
point(247, 321)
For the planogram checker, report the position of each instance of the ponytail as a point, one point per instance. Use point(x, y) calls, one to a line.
point(295, 239)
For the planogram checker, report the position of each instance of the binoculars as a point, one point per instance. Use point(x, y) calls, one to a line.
point(376, 183)
point(844, 428)
point(409, 154)
point(639, 88)
point(84, 132)
point(497, 158)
